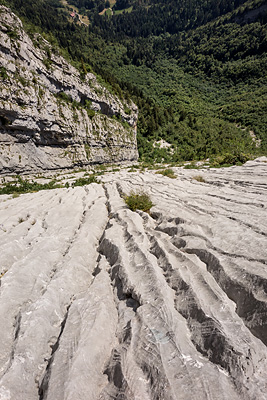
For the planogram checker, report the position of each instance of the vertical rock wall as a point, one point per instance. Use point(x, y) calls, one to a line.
point(50, 117)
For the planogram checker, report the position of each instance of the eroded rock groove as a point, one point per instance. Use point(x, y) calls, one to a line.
point(165, 306)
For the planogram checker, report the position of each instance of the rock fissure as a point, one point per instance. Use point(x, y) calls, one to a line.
point(158, 313)
point(175, 231)
point(17, 325)
point(43, 387)
point(252, 310)
point(241, 295)
point(206, 333)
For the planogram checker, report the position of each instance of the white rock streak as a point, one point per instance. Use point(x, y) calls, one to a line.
point(99, 302)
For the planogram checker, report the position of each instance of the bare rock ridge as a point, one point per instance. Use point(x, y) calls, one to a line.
point(99, 302)
point(52, 116)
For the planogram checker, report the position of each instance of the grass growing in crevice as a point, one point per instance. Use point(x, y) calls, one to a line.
point(85, 181)
point(191, 166)
point(199, 178)
point(138, 201)
point(167, 172)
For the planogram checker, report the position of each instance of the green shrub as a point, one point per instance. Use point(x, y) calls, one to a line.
point(167, 172)
point(13, 34)
point(127, 110)
point(87, 106)
point(22, 80)
point(25, 186)
point(41, 92)
point(138, 201)
point(229, 159)
point(48, 52)
point(191, 166)
point(91, 113)
point(47, 63)
point(3, 73)
point(88, 103)
point(75, 104)
point(85, 181)
point(63, 96)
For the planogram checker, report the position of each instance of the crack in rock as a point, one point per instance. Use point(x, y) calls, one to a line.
point(167, 306)
point(43, 387)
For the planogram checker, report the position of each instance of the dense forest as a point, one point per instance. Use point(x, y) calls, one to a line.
point(196, 69)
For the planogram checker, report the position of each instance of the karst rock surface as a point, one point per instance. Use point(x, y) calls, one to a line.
point(99, 302)
point(51, 116)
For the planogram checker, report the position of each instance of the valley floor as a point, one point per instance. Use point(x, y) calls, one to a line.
point(99, 302)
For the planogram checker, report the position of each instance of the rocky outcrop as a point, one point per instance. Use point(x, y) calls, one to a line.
point(99, 302)
point(51, 115)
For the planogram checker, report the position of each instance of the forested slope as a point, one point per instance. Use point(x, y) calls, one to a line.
point(197, 70)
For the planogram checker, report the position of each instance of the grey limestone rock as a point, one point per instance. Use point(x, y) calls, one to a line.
point(99, 302)
point(50, 117)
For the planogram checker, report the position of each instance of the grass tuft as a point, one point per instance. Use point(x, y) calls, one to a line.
point(167, 172)
point(85, 181)
point(138, 201)
point(198, 178)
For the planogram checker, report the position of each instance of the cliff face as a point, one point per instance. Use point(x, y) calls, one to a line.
point(52, 117)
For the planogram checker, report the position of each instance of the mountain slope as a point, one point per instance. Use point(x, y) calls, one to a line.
point(201, 86)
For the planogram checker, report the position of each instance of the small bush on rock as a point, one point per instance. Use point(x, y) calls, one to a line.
point(138, 201)
point(3, 73)
point(229, 159)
